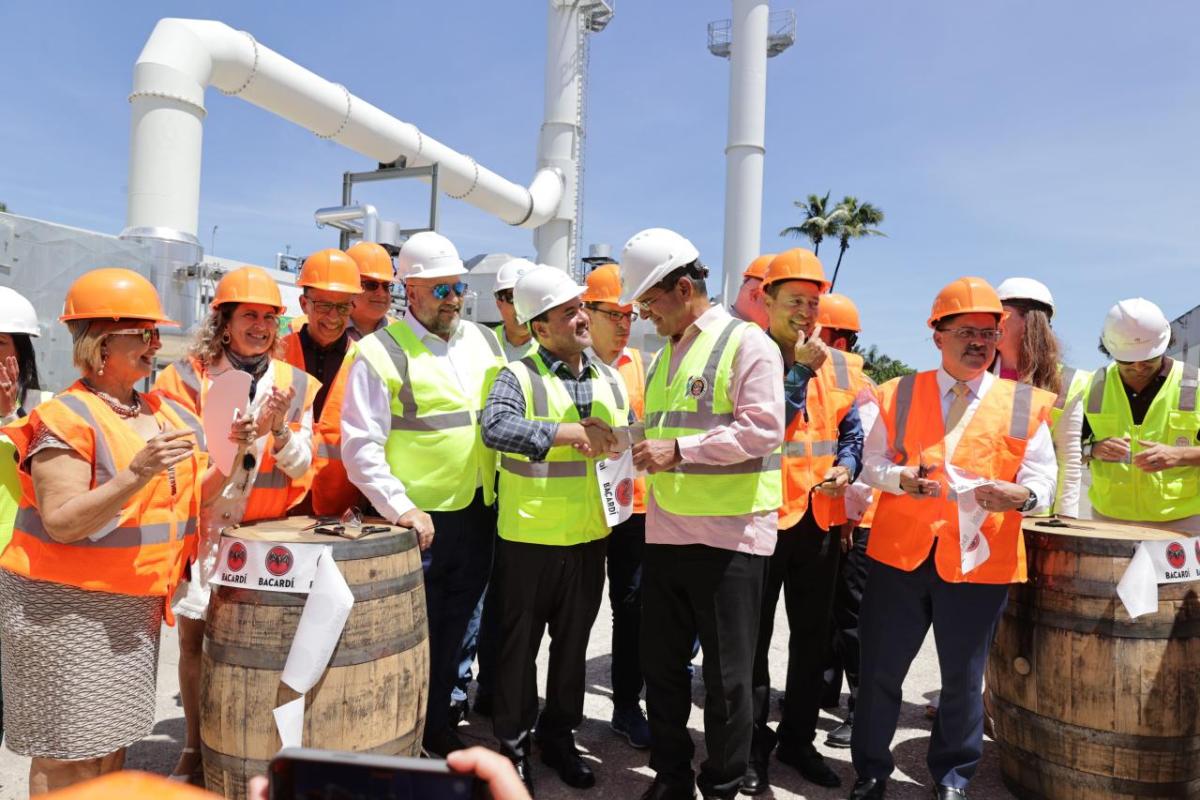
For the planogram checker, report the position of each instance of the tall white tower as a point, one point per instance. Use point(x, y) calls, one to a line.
point(747, 41)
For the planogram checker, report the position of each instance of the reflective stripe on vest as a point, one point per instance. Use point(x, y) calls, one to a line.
point(332, 491)
point(754, 486)
point(556, 501)
point(841, 370)
point(1067, 377)
point(1124, 491)
point(1022, 400)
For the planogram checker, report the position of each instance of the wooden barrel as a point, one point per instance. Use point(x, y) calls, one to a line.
point(1085, 702)
point(371, 697)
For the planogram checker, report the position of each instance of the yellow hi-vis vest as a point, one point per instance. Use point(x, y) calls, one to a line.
point(1074, 385)
point(695, 399)
point(10, 481)
point(435, 446)
point(557, 501)
point(1123, 491)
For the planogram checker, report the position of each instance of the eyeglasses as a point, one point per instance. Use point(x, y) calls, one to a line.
point(644, 305)
point(369, 285)
point(616, 317)
point(147, 335)
point(442, 290)
point(324, 307)
point(970, 334)
point(504, 296)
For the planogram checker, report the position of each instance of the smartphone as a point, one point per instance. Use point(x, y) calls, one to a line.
point(301, 773)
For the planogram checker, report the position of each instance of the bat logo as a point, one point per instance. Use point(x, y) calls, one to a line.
point(236, 558)
point(1176, 556)
point(279, 560)
point(625, 492)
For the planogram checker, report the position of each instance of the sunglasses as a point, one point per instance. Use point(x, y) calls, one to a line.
point(369, 285)
point(442, 290)
point(147, 335)
point(504, 296)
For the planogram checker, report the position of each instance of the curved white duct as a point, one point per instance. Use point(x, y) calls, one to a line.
point(184, 56)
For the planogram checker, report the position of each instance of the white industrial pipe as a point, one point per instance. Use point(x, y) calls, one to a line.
point(558, 147)
point(183, 56)
point(746, 149)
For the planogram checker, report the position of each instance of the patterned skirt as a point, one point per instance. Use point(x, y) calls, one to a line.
point(79, 668)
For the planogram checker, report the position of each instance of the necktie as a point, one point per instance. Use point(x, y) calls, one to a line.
point(954, 417)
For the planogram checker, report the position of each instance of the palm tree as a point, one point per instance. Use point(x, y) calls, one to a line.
point(817, 222)
point(880, 366)
point(857, 222)
point(3, 207)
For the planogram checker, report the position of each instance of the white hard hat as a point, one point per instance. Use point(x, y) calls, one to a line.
point(1026, 289)
point(428, 255)
point(541, 289)
point(648, 257)
point(1135, 330)
point(17, 314)
point(510, 271)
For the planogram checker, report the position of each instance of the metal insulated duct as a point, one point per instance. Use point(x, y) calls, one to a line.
point(182, 57)
point(746, 149)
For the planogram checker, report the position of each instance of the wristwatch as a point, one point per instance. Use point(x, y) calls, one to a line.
point(1086, 450)
point(1031, 503)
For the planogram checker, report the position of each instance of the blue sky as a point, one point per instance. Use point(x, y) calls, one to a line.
point(1051, 139)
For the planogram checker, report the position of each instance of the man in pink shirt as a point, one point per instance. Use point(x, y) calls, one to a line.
point(714, 426)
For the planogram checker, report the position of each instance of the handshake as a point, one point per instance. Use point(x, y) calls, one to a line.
point(593, 437)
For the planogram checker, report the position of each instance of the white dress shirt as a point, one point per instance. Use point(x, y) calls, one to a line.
point(367, 420)
point(858, 494)
point(1039, 467)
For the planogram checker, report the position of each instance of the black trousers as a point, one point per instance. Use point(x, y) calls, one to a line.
point(625, 549)
point(805, 566)
point(847, 599)
point(544, 585)
point(690, 591)
point(456, 571)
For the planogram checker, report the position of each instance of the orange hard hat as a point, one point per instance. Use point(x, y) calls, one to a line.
point(130, 785)
point(796, 264)
point(966, 296)
point(838, 312)
point(758, 267)
point(248, 285)
point(331, 270)
point(373, 261)
point(604, 286)
point(113, 293)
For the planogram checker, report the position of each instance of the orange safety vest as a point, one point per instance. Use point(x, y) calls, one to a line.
point(848, 374)
point(810, 450)
point(992, 446)
point(632, 367)
point(274, 492)
point(332, 491)
point(153, 535)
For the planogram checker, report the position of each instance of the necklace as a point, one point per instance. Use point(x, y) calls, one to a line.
point(120, 409)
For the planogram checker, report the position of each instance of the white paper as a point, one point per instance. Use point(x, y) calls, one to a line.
point(289, 721)
point(229, 394)
point(1157, 562)
point(972, 544)
point(614, 477)
point(321, 622)
point(267, 566)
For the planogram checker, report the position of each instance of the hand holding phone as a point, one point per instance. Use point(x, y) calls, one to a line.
point(305, 774)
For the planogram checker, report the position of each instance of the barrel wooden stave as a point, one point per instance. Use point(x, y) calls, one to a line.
point(1110, 707)
point(370, 699)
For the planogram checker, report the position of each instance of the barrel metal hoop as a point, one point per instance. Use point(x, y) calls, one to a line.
point(361, 592)
point(1157, 745)
point(257, 658)
point(234, 765)
point(1074, 543)
point(1118, 629)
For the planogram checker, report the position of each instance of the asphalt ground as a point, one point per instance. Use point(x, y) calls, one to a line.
point(621, 771)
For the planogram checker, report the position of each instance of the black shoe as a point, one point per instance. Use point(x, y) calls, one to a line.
point(756, 780)
point(810, 763)
point(869, 789)
point(524, 772)
point(458, 712)
point(439, 743)
point(840, 736)
point(949, 793)
point(661, 790)
point(563, 758)
point(483, 705)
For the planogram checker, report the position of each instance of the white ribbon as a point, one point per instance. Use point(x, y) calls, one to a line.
point(1156, 562)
